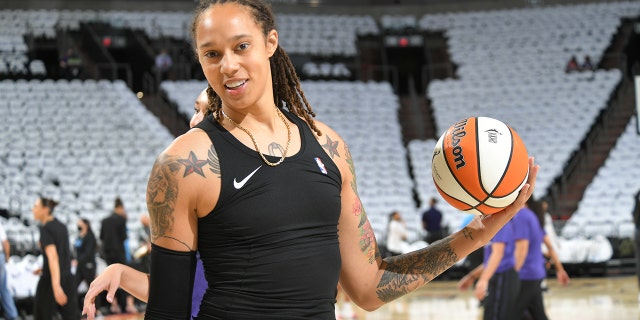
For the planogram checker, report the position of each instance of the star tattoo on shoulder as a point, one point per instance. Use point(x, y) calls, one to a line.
point(332, 147)
point(192, 164)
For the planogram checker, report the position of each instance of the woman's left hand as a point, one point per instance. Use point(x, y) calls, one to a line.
point(59, 295)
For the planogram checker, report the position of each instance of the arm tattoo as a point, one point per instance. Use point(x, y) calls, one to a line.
point(367, 240)
point(352, 168)
point(467, 233)
point(162, 192)
point(409, 271)
point(192, 164)
point(214, 163)
point(331, 147)
point(367, 236)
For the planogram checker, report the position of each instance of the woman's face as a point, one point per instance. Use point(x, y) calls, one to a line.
point(199, 107)
point(234, 55)
point(39, 211)
point(81, 226)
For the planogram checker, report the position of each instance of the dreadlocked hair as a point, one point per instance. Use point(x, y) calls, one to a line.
point(287, 91)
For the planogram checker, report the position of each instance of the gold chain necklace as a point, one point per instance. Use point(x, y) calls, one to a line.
point(255, 144)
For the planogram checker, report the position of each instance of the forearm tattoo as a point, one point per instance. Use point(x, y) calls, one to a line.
point(409, 271)
point(466, 232)
point(367, 239)
point(162, 192)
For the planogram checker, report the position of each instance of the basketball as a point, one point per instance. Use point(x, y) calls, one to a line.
point(479, 165)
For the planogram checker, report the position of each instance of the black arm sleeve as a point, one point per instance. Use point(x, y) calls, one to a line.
point(170, 284)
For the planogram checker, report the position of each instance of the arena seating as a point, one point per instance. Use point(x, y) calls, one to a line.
point(609, 199)
point(323, 35)
point(299, 34)
point(514, 71)
point(81, 142)
point(517, 75)
point(183, 94)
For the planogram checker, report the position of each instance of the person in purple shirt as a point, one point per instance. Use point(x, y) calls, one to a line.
point(497, 280)
point(530, 261)
point(200, 285)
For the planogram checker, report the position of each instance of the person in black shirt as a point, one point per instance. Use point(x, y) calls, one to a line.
point(56, 290)
point(85, 247)
point(432, 223)
point(113, 233)
point(277, 230)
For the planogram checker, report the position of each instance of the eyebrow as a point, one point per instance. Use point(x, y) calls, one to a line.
point(234, 38)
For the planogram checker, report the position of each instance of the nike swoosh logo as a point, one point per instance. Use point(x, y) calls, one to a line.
point(242, 182)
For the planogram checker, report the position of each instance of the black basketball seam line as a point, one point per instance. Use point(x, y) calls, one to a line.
point(456, 179)
point(504, 172)
point(511, 158)
point(519, 185)
point(490, 194)
point(478, 159)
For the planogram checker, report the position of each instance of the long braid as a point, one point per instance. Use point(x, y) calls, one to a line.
point(288, 88)
point(287, 91)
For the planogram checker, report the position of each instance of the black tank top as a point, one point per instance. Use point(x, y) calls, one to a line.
point(270, 245)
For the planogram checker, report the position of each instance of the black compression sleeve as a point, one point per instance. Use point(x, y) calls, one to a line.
point(170, 284)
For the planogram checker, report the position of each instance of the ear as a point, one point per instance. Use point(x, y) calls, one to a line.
point(272, 42)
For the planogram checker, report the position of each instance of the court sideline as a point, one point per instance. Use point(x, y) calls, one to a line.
point(612, 297)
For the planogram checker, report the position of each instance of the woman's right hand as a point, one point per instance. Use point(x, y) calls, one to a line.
point(480, 290)
point(108, 280)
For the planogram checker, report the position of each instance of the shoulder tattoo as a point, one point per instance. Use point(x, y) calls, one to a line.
point(214, 163)
point(192, 164)
point(331, 147)
point(162, 192)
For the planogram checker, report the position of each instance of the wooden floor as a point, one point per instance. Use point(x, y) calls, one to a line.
point(612, 297)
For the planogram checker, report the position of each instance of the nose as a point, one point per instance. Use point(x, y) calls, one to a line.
point(229, 64)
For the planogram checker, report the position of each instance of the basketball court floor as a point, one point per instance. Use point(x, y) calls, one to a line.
point(611, 297)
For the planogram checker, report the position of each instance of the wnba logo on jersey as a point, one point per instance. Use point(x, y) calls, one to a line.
point(323, 169)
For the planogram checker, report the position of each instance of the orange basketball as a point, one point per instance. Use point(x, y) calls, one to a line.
point(479, 165)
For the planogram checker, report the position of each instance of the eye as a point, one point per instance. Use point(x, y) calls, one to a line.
point(211, 54)
point(243, 46)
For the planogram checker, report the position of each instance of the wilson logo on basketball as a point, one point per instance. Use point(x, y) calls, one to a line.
point(479, 165)
point(456, 136)
point(492, 134)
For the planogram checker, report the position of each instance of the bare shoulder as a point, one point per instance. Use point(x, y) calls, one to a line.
point(189, 154)
point(336, 147)
point(180, 180)
point(331, 141)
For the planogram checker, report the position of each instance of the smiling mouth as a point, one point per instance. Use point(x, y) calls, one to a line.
point(235, 84)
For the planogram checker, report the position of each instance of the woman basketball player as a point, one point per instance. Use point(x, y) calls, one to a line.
point(276, 231)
